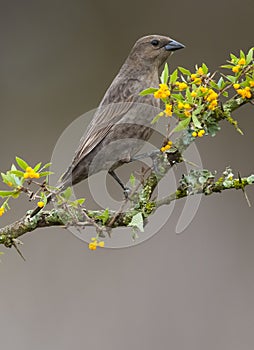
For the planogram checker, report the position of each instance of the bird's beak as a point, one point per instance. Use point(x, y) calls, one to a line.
point(173, 46)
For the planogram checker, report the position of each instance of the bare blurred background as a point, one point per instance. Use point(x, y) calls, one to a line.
point(191, 291)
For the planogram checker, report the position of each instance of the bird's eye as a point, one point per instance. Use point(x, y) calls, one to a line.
point(155, 42)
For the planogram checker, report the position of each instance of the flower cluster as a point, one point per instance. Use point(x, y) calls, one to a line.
point(197, 77)
point(31, 174)
point(239, 64)
point(95, 243)
point(212, 98)
point(198, 133)
point(162, 92)
point(167, 146)
point(244, 92)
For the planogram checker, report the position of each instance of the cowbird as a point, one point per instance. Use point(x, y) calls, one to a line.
point(119, 125)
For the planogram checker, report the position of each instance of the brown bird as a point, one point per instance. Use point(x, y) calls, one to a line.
point(121, 122)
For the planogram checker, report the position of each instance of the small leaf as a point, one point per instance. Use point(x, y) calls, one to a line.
point(164, 75)
point(21, 163)
point(156, 118)
point(231, 78)
point(183, 124)
point(184, 71)
point(221, 83)
point(137, 222)
point(205, 68)
point(37, 167)
point(196, 122)
point(227, 66)
point(16, 172)
point(144, 93)
point(249, 56)
point(46, 173)
point(67, 193)
point(132, 180)
point(173, 77)
point(242, 55)
point(7, 193)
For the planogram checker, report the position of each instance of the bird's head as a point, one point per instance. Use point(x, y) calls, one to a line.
point(154, 49)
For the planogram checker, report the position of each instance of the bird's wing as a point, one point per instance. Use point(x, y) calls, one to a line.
point(116, 103)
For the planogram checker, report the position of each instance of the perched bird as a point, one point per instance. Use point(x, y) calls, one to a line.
point(120, 124)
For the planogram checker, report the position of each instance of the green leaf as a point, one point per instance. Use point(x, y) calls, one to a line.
point(214, 85)
point(184, 71)
point(137, 222)
point(67, 193)
point(205, 68)
point(16, 172)
point(104, 216)
point(231, 78)
point(227, 66)
point(37, 167)
point(178, 97)
point(242, 55)
point(196, 122)
point(189, 98)
point(21, 163)
point(164, 75)
point(7, 193)
point(46, 173)
point(156, 118)
point(144, 93)
point(233, 57)
point(173, 77)
point(132, 180)
point(47, 165)
point(249, 56)
point(183, 124)
point(221, 83)
point(225, 93)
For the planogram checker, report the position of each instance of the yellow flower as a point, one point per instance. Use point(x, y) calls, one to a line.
point(244, 93)
point(168, 110)
point(203, 89)
point(101, 244)
point(187, 106)
point(194, 134)
point(187, 113)
point(92, 246)
point(236, 86)
point(1, 211)
point(200, 71)
point(163, 91)
point(251, 82)
point(193, 76)
point(201, 133)
point(182, 86)
point(180, 105)
point(236, 69)
point(194, 94)
point(167, 146)
point(242, 62)
point(31, 174)
point(40, 204)
point(9, 184)
point(212, 105)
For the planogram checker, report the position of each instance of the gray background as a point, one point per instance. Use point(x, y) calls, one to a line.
point(188, 291)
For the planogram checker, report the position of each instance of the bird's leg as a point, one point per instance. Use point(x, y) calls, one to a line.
point(126, 190)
